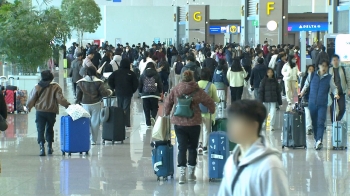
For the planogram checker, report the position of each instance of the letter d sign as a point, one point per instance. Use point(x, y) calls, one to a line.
point(197, 16)
point(269, 7)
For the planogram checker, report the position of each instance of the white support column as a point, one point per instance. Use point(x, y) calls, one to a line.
point(303, 51)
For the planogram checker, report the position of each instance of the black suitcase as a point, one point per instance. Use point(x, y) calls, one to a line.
point(294, 131)
point(114, 127)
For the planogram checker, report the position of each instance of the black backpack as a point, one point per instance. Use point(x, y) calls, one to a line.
point(178, 68)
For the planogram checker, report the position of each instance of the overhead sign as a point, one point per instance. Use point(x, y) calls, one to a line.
point(342, 47)
point(117, 1)
point(197, 16)
point(269, 7)
point(231, 29)
point(307, 26)
point(255, 23)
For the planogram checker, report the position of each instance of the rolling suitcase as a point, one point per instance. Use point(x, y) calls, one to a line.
point(220, 125)
point(294, 131)
point(10, 100)
point(218, 152)
point(163, 156)
point(75, 135)
point(75, 176)
point(339, 132)
point(114, 128)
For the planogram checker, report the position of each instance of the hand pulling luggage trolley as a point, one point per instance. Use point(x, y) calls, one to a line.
point(114, 126)
point(163, 156)
point(75, 135)
point(294, 130)
point(339, 132)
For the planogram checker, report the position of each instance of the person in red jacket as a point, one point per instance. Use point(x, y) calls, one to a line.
point(266, 48)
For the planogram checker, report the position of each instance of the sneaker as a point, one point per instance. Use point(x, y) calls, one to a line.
point(309, 132)
point(200, 150)
point(153, 122)
point(318, 145)
point(149, 127)
point(205, 150)
point(182, 177)
point(93, 143)
point(191, 173)
point(289, 103)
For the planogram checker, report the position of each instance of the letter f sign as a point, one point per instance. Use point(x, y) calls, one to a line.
point(269, 7)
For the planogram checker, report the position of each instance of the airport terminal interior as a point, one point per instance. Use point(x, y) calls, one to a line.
point(126, 169)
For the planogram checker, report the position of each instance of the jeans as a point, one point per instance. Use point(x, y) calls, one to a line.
point(256, 93)
point(150, 108)
point(308, 120)
point(236, 93)
point(290, 89)
point(94, 110)
point(124, 102)
point(318, 117)
point(187, 138)
point(45, 122)
point(205, 130)
point(342, 107)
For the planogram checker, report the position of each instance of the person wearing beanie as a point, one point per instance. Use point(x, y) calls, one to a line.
point(45, 97)
point(124, 83)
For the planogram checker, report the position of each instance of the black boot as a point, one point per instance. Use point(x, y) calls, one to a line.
point(42, 149)
point(49, 146)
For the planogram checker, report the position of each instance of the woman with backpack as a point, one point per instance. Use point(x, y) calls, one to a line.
point(90, 91)
point(305, 99)
point(207, 118)
point(270, 95)
point(221, 83)
point(178, 65)
point(150, 88)
point(236, 76)
point(187, 120)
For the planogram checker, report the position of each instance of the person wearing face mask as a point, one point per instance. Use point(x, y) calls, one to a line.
point(127, 54)
point(290, 74)
point(320, 85)
point(305, 99)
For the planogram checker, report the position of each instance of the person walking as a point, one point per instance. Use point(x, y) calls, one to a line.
point(305, 99)
point(178, 65)
point(45, 97)
point(236, 76)
point(188, 129)
point(270, 95)
point(74, 72)
point(150, 88)
point(124, 83)
point(290, 74)
point(258, 74)
point(207, 118)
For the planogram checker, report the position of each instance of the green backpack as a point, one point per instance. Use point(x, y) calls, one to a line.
point(183, 106)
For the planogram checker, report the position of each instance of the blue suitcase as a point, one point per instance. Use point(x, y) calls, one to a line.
point(218, 152)
point(163, 160)
point(75, 176)
point(75, 135)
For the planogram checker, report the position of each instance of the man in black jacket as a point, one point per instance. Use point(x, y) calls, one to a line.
point(210, 63)
point(247, 61)
point(258, 73)
point(124, 83)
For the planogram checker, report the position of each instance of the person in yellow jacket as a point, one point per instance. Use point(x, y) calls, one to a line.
point(210, 89)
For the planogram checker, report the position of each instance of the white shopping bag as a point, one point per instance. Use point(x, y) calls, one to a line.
point(77, 111)
point(160, 128)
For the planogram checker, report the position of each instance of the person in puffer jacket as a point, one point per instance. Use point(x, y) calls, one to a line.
point(270, 95)
point(150, 92)
point(221, 83)
point(290, 74)
point(90, 91)
point(188, 129)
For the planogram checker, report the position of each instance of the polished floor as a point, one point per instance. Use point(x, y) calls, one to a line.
point(125, 169)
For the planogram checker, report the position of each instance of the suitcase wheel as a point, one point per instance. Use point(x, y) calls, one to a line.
point(305, 147)
point(165, 178)
point(104, 142)
point(81, 153)
point(345, 148)
point(172, 176)
point(158, 179)
point(282, 147)
point(63, 153)
point(69, 154)
point(112, 142)
point(122, 142)
point(87, 153)
point(211, 179)
point(293, 147)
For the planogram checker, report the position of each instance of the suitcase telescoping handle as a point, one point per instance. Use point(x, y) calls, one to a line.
point(335, 110)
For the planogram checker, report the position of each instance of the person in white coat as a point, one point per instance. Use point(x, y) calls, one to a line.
point(273, 60)
point(290, 74)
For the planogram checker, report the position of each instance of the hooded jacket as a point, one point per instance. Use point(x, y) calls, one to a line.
point(187, 88)
point(264, 175)
point(49, 99)
point(193, 67)
point(154, 74)
point(124, 82)
point(272, 62)
point(258, 73)
point(74, 72)
point(91, 91)
point(290, 74)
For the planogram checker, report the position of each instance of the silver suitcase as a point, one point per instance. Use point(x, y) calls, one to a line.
point(339, 132)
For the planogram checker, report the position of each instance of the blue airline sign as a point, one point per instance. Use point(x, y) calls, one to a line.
point(307, 26)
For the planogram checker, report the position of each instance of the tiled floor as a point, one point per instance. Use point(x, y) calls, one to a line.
point(125, 169)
